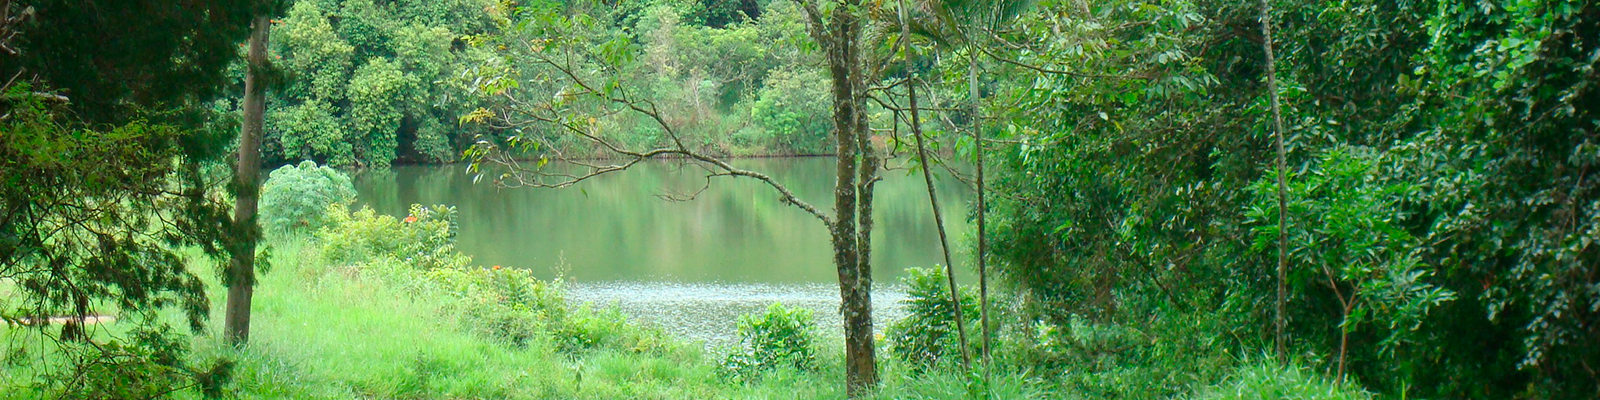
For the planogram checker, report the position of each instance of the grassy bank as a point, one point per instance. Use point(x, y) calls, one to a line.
point(378, 309)
point(323, 331)
point(353, 331)
point(375, 307)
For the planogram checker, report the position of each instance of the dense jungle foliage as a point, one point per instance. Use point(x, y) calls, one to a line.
point(1440, 217)
point(370, 83)
point(1440, 207)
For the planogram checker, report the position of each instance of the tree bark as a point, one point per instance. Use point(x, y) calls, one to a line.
point(1283, 199)
point(855, 176)
point(927, 178)
point(241, 272)
point(977, 139)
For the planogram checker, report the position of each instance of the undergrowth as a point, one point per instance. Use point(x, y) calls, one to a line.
point(374, 306)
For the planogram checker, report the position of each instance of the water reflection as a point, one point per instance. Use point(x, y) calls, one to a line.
point(614, 227)
point(689, 266)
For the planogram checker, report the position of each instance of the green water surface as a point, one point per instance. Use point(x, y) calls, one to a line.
point(618, 227)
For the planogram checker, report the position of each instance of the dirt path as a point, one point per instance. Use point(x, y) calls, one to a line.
point(87, 320)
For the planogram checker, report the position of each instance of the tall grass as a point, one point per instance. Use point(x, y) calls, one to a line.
point(322, 331)
point(1267, 381)
point(327, 331)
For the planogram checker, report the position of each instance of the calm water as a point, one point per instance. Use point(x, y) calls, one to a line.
point(688, 266)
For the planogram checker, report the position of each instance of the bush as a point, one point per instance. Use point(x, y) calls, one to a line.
point(585, 328)
point(506, 304)
point(927, 335)
point(510, 305)
point(296, 198)
point(782, 336)
point(1263, 382)
point(150, 363)
point(501, 303)
point(423, 240)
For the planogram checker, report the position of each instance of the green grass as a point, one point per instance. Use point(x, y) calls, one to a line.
point(341, 332)
point(1266, 381)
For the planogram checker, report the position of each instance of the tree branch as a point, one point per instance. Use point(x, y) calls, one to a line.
point(524, 176)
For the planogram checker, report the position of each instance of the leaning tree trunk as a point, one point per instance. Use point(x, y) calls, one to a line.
point(241, 272)
point(927, 179)
point(1278, 320)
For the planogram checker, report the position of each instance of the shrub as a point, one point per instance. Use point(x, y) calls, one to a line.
point(150, 363)
point(507, 304)
point(510, 305)
point(1346, 224)
point(782, 336)
point(927, 335)
point(296, 198)
point(501, 303)
point(424, 240)
point(1157, 353)
point(1262, 382)
point(585, 328)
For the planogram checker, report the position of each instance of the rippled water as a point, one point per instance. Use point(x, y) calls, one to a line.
point(691, 267)
point(708, 312)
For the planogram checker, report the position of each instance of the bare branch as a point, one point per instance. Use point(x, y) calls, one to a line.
point(547, 114)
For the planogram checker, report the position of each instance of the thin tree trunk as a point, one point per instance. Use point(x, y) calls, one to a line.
point(1283, 197)
point(933, 197)
point(1344, 340)
point(241, 274)
point(977, 136)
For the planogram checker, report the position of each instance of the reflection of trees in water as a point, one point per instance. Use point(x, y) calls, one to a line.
point(616, 227)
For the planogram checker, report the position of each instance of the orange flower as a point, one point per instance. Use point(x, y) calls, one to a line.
point(410, 219)
point(497, 268)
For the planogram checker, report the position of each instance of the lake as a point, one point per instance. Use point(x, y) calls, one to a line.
point(690, 267)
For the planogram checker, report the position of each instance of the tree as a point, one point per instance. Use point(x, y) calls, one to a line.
point(1277, 140)
point(108, 176)
point(851, 226)
point(113, 168)
point(915, 124)
point(88, 50)
point(241, 276)
point(1344, 228)
point(968, 23)
point(580, 75)
point(1124, 196)
point(372, 83)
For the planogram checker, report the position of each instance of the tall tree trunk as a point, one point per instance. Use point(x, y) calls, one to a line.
point(241, 273)
point(1278, 321)
point(983, 243)
point(855, 277)
point(927, 178)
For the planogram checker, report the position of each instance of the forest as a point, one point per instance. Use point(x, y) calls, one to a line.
point(796, 199)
